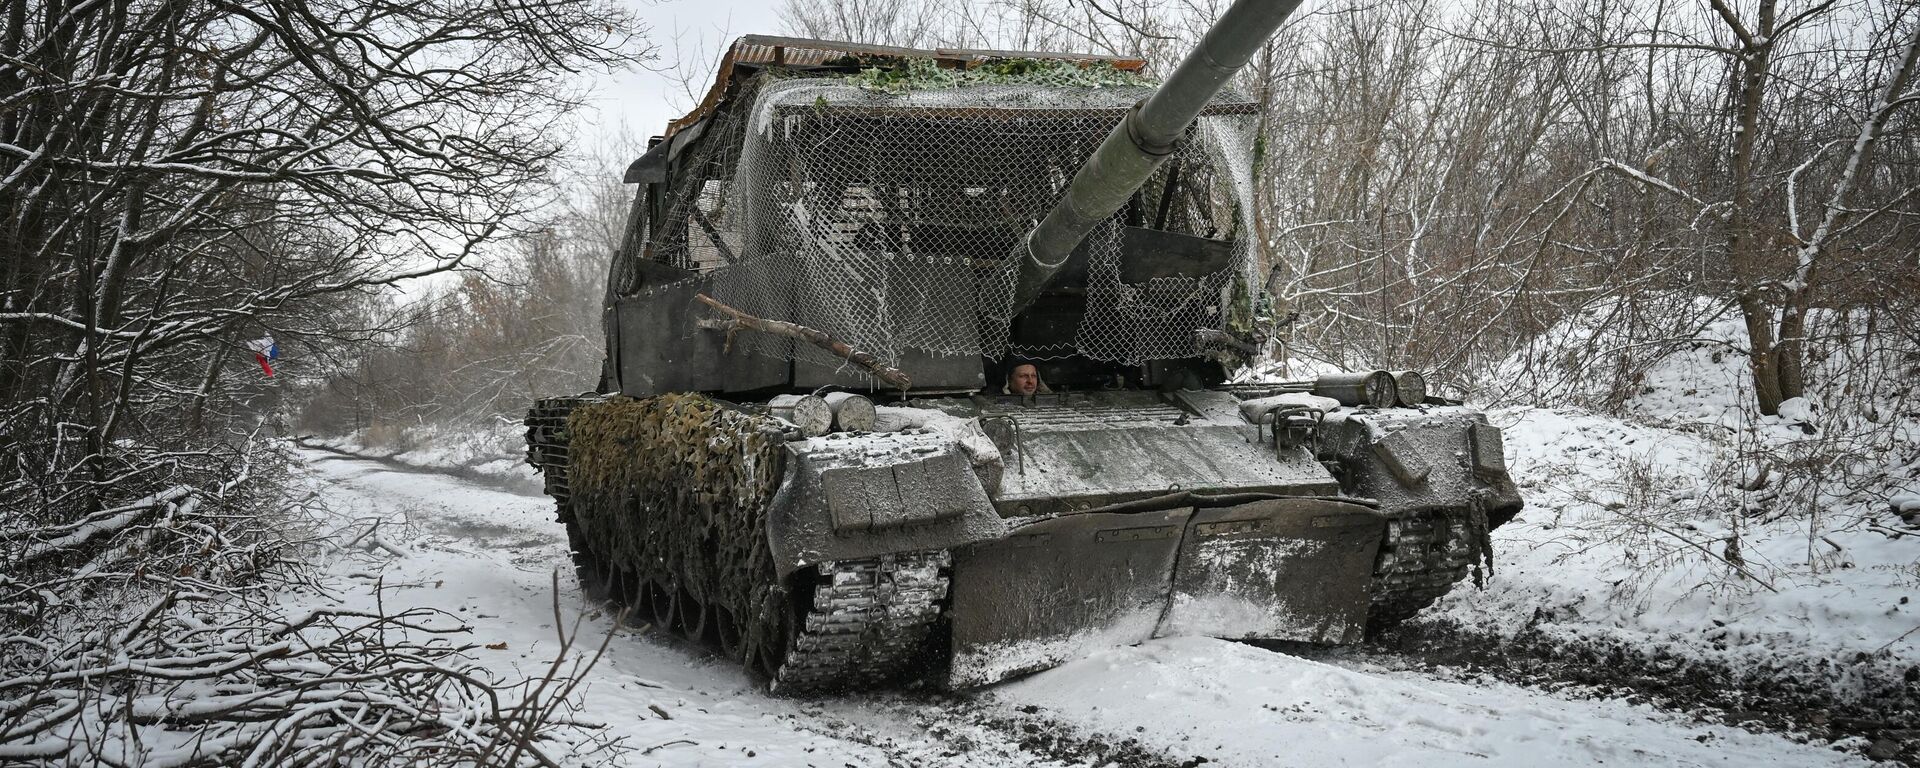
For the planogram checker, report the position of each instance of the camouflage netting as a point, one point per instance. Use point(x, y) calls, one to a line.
point(888, 208)
point(675, 488)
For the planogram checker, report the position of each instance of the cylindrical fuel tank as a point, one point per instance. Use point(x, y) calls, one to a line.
point(1375, 388)
point(1411, 387)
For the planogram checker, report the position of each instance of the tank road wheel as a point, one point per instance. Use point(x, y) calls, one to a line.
point(586, 565)
point(665, 605)
point(625, 590)
point(609, 581)
point(610, 584)
point(640, 601)
point(690, 617)
point(772, 626)
point(725, 633)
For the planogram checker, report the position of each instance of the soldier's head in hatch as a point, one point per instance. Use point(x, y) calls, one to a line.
point(1023, 380)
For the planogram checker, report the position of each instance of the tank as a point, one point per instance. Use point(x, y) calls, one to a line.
point(815, 449)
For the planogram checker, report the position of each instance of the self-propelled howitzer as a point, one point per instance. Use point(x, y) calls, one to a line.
point(806, 450)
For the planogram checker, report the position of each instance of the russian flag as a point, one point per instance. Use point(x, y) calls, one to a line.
point(265, 351)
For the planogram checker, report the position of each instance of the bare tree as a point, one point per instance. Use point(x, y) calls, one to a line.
point(1139, 28)
point(479, 351)
point(178, 179)
point(913, 23)
point(1754, 112)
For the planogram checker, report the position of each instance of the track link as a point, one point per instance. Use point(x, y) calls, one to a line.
point(1424, 555)
point(547, 444)
point(866, 622)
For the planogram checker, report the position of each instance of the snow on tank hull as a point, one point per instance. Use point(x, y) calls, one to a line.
point(1059, 589)
point(996, 536)
point(1141, 515)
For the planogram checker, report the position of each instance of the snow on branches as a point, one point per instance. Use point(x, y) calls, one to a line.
point(161, 632)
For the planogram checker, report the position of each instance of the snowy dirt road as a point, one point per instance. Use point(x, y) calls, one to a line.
point(488, 556)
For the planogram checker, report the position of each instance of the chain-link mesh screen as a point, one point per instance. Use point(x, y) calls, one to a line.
point(895, 221)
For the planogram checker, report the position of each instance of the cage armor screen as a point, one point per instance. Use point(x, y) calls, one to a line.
point(891, 217)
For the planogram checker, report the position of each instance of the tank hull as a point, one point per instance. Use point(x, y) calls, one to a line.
point(850, 560)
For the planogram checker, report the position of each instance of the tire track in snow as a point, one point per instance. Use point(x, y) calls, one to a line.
point(487, 556)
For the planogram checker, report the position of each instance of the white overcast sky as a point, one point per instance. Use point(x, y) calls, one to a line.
point(689, 33)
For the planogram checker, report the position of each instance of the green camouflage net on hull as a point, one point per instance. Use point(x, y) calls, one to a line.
point(666, 502)
point(674, 490)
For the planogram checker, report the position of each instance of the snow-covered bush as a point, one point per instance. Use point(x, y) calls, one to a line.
point(152, 632)
point(1669, 522)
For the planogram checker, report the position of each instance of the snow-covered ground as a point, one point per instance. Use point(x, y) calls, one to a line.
point(494, 451)
point(1240, 705)
point(489, 557)
point(1766, 550)
point(1618, 537)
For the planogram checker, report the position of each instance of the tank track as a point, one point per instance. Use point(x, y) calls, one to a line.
point(546, 426)
point(866, 623)
point(833, 626)
point(1424, 555)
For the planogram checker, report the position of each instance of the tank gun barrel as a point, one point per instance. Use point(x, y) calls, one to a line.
point(1144, 138)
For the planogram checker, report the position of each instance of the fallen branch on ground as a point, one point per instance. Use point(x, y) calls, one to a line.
point(155, 632)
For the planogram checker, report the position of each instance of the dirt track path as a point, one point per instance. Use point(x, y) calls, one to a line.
point(489, 555)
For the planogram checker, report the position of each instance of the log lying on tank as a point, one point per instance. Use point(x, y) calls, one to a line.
point(1374, 388)
point(1411, 387)
point(814, 336)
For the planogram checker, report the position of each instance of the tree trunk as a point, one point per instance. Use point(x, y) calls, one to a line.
point(197, 412)
point(1790, 352)
point(1761, 360)
point(1745, 248)
point(1838, 209)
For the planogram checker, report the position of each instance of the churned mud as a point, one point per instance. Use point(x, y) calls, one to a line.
point(1879, 721)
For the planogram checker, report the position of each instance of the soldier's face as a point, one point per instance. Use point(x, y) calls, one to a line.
point(1025, 380)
